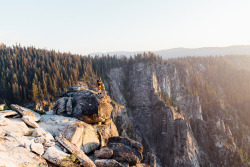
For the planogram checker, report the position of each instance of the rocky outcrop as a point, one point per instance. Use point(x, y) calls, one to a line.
point(14, 152)
point(79, 138)
point(85, 106)
point(82, 135)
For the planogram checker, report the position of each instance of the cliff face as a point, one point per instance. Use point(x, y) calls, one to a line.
point(176, 138)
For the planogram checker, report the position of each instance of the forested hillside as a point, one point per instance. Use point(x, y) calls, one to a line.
point(30, 74)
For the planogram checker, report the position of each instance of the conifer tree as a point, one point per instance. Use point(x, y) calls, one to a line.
point(34, 92)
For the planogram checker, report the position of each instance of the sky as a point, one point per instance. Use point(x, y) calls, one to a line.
point(87, 26)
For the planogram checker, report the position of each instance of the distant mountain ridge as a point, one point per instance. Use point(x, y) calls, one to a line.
point(182, 52)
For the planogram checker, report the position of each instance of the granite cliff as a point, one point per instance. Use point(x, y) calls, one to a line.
point(161, 112)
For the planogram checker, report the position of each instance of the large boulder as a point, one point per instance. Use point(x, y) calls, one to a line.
point(55, 124)
point(55, 156)
point(105, 131)
point(85, 105)
point(104, 153)
point(82, 135)
point(60, 105)
point(37, 148)
point(125, 153)
point(125, 150)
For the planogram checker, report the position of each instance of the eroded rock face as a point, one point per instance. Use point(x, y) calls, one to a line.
point(177, 139)
point(147, 86)
point(84, 105)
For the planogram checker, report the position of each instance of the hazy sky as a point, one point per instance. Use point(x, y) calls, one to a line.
point(85, 26)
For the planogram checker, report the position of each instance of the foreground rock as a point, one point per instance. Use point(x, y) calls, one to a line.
point(29, 117)
point(16, 125)
point(13, 152)
point(125, 150)
point(88, 106)
point(104, 153)
point(26, 112)
point(126, 141)
point(107, 163)
point(4, 121)
point(55, 156)
point(105, 131)
point(55, 124)
point(7, 113)
point(82, 135)
point(76, 151)
point(37, 148)
point(30, 121)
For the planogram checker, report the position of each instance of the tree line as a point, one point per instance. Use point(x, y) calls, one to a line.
point(31, 74)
